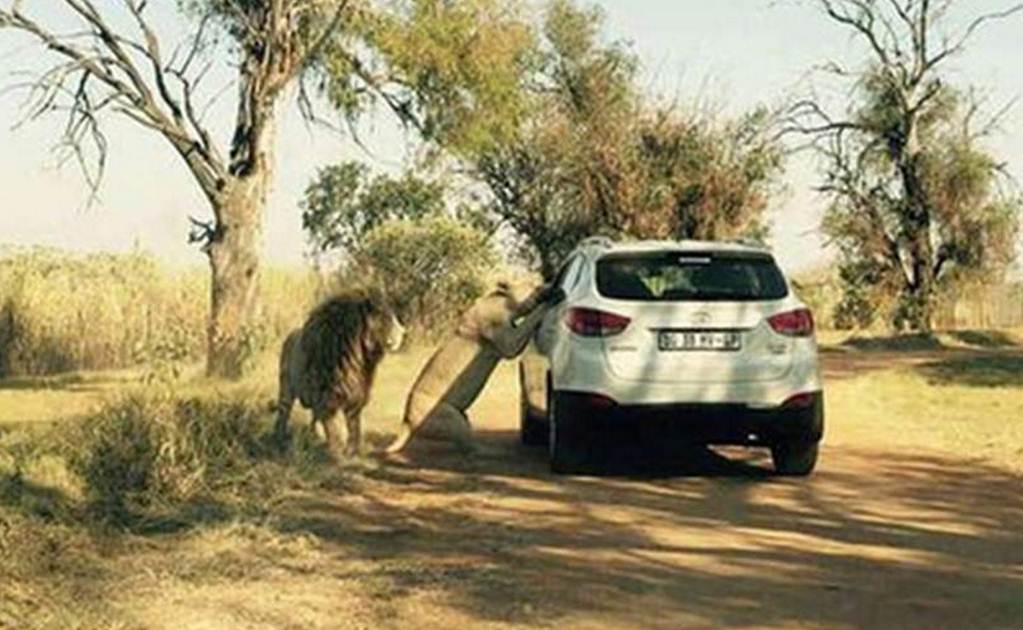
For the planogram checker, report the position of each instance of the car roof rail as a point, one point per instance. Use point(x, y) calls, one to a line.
point(749, 242)
point(599, 241)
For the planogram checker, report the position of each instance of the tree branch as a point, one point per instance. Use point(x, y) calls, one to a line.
point(103, 60)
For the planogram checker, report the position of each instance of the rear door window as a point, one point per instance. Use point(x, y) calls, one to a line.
point(690, 277)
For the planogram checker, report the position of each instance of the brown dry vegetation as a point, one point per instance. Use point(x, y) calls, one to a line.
point(912, 519)
point(61, 312)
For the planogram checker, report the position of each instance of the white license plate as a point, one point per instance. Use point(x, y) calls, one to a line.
point(698, 340)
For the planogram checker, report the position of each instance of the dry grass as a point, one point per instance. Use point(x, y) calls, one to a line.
point(62, 312)
point(969, 408)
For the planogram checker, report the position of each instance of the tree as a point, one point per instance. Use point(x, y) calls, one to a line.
point(398, 234)
point(917, 206)
point(432, 267)
point(109, 59)
point(589, 154)
point(342, 205)
point(114, 61)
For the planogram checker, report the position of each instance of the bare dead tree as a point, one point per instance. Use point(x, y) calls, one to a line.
point(874, 151)
point(126, 71)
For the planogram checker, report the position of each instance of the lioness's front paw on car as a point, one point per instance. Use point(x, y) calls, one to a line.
point(552, 295)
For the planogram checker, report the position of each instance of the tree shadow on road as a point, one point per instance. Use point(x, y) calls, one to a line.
point(976, 370)
point(876, 538)
point(873, 539)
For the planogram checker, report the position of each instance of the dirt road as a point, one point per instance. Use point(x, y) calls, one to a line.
point(884, 535)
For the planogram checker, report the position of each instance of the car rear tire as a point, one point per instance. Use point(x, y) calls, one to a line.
point(567, 453)
point(794, 459)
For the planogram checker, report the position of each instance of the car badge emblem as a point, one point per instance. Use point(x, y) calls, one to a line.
point(701, 317)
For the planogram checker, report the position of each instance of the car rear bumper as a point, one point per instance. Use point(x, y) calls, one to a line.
point(699, 423)
point(579, 368)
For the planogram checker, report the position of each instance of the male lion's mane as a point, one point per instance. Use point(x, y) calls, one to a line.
point(341, 344)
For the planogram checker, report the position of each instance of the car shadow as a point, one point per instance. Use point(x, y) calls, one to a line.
point(503, 453)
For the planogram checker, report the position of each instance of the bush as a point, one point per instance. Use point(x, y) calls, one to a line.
point(431, 268)
point(61, 311)
point(150, 449)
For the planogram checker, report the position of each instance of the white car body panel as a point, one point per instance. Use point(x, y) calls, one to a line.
point(631, 369)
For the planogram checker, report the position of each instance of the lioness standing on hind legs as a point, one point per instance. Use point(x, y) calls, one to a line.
point(498, 326)
point(329, 365)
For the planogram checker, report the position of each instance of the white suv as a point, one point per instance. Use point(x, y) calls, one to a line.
point(692, 341)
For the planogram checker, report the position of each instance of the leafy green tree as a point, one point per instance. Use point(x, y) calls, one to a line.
point(398, 234)
point(431, 267)
point(342, 205)
point(590, 155)
point(918, 206)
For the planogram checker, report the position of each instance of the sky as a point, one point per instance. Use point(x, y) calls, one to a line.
point(728, 54)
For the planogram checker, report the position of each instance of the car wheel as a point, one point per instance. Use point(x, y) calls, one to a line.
point(564, 441)
point(532, 429)
point(796, 459)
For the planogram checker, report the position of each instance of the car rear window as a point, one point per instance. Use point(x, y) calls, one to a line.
point(690, 277)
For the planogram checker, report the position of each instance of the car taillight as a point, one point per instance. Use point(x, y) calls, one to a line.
point(797, 323)
point(590, 322)
point(799, 401)
point(598, 402)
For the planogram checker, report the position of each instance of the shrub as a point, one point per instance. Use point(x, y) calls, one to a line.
point(431, 268)
point(150, 449)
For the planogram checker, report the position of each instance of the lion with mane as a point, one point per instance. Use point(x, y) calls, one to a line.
point(329, 364)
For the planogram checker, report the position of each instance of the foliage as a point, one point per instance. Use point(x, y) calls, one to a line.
point(436, 66)
point(153, 448)
point(432, 268)
point(971, 221)
point(61, 311)
point(397, 234)
point(593, 156)
point(342, 205)
point(919, 208)
point(455, 66)
point(155, 455)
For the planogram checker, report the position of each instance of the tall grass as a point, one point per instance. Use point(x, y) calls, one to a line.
point(61, 311)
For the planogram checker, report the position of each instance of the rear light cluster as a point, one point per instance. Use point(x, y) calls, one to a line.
point(797, 323)
point(800, 401)
point(589, 322)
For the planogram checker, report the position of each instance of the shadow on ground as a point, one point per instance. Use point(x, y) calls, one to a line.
point(989, 339)
point(976, 370)
point(874, 539)
point(68, 382)
point(894, 343)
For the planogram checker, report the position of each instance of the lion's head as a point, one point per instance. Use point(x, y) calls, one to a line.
point(518, 293)
point(342, 343)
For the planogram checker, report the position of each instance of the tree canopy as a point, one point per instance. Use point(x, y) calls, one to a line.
point(918, 206)
point(592, 154)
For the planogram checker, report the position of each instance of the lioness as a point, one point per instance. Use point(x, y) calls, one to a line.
point(498, 326)
point(329, 364)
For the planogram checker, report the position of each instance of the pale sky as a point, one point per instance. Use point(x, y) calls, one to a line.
point(730, 54)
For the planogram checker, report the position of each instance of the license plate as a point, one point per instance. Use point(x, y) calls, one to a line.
point(698, 340)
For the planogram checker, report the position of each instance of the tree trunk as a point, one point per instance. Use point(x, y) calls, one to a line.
point(918, 307)
point(234, 253)
point(918, 302)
